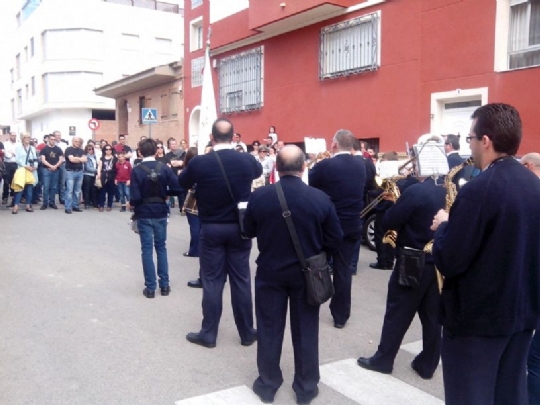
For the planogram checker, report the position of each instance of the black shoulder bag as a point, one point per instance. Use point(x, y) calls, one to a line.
point(241, 206)
point(319, 286)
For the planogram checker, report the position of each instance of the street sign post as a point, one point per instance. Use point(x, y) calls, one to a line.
point(93, 124)
point(149, 117)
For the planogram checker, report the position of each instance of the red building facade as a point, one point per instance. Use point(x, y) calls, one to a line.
point(389, 71)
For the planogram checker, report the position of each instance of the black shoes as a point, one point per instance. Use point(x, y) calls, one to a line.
point(149, 293)
point(67, 211)
point(186, 254)
point(165, 291)
point(43, 207)
point(195, 283)
point(339, 325)
point(265, 397)
point(53, 206)
point(77, 209)
point(369, 364)
point(379, 266)
point(417, 370)
point(123, 209)
point(250, 342)
point(198, 340)
point(306, 399)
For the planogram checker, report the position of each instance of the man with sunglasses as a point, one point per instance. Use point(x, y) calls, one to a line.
point(488, 250)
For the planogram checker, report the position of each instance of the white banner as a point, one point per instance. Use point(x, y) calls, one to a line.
point(208, 105)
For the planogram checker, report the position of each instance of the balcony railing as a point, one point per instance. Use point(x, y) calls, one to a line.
point(150, 4)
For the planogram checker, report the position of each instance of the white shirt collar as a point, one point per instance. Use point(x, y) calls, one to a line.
point(454, 151)
point(342, 153)
point(149, 159)
point(222, 146)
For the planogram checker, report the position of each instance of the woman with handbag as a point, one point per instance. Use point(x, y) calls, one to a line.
point(106, 174)
point(26, 175)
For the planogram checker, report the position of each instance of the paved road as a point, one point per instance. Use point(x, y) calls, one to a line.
point(76, 329)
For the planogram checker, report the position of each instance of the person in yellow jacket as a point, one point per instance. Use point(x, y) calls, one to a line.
point(26, 175)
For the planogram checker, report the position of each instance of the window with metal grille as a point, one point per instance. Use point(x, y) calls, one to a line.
point(196, 3)
point(241, 81)
point(197, 66)
point(524, 39)
point(349, 47)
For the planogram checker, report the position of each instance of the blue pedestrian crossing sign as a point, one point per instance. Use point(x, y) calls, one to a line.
point(149, 115)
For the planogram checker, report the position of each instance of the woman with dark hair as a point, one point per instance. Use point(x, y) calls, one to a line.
point(106, 173)
point(160, 154)
point(90, 169)
point(193, 219)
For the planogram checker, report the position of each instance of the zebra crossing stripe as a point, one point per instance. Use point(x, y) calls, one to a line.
point(241, 395)
point(371, 388)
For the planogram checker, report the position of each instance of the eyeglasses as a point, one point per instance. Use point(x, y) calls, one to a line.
point(468, 138)
point(160, 147)
point(108, 149)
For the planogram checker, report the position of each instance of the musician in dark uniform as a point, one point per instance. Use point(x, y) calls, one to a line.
point(222, 251)
point(279, 278)
point(411, 217)
point(488, 249)
point(451, 147)
point(343, 178)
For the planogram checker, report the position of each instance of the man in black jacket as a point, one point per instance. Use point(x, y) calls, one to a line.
point(279, 278)
point(222, 250)
point(151, 182)
point(488, 249)
point(343, 178)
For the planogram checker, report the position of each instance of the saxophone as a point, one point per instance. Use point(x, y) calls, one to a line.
point(451, 194)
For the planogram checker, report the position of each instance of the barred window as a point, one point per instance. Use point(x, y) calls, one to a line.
point(196, 3)
point(197, 66)
point(524, 39)
point(241, 81)
point(349, 47)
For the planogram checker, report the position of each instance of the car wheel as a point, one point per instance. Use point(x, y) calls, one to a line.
point(369, 232)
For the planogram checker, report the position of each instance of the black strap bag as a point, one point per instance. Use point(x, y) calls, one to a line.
point(411, 266)
point(319, 286)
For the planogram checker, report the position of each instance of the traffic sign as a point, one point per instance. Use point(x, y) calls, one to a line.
point(149, 115)
point(93, 124)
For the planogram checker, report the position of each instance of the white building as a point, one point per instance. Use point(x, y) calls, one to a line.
point(63, 49)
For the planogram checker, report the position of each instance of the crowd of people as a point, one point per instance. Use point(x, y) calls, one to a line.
point(476, 290)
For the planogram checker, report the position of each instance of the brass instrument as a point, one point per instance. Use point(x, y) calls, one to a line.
point(320, 156)
point(451, 194)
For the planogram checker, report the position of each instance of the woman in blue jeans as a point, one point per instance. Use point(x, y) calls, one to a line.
point(26, 156)
point(106, 173)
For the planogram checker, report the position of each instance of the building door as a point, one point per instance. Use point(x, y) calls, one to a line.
point(457, 120)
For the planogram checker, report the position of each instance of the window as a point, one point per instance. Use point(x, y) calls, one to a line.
point(196, 3)
point(349, 47)
point(18, 65)
point(33, 85)
point(196, 35)
point(197, 66)
point(164, 104)
point(142, 104)
point(19, 101)
point(173, 103)
point(12, 73)
point(524, 38)
point(164, 45)
point(241, 81)
point(26, 54)
point(27, 92)
point(32, 50)
point(69, 44)
point(13, 114)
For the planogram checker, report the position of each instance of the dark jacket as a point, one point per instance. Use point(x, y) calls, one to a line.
point(142, 187)
point(213, 198)
point(314, 218)
point(489, 252)
point(413, 213)
point(343, 178)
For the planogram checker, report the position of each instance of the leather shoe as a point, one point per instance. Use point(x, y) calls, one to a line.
point(149, 293)
point(165, 291)
point(250, 342)
point(379, 266)
point(339, 325)
point(306, 399)
point(67, 211)
point(53, 206)
point(198, 340)
point(369, 364)
point(187, 255)
point(415, 368)
point(195, 283)
point(43, 207)
point(265, 397)
point(77, 209)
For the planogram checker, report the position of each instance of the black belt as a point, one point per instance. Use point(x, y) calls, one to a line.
point(73, 170)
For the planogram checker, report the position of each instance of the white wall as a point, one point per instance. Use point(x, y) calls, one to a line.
point(220, 9)
point(61, 120)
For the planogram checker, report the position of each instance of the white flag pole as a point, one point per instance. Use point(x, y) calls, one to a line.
point(208, 104)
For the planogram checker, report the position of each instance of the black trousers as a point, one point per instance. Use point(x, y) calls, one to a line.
point(11, 168)
point(402, 304)
point(90, 192)
point(340, 304)
point(273, 293)
point(385, 252)
point(482, 370)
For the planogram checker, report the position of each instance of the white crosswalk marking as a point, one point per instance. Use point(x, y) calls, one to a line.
point(369, 388)
point(241, 395)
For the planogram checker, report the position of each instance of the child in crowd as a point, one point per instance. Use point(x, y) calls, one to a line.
point(123, 174)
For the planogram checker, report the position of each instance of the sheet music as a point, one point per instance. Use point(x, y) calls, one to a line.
point(432, 160)
point(315, 145)
point(388, 168)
